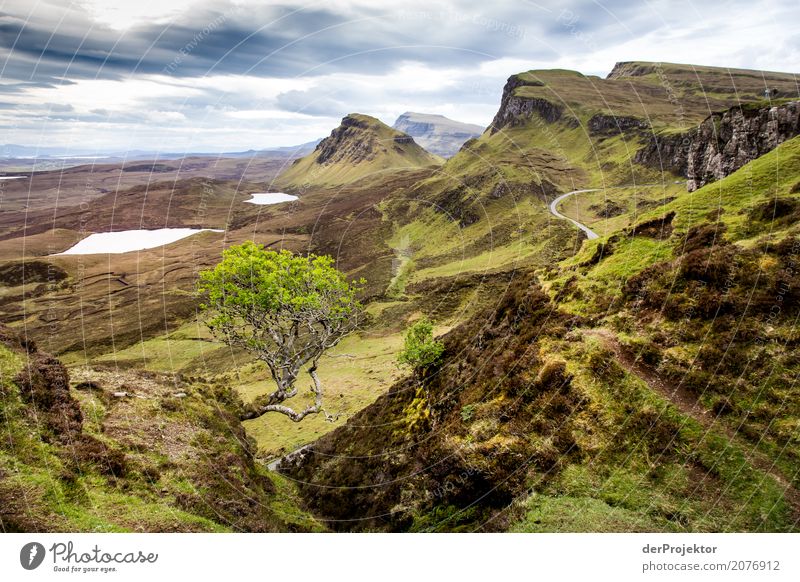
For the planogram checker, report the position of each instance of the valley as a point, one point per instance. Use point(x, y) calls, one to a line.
point(614, 283)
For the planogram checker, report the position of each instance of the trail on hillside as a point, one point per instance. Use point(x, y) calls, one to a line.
point(689, 405)
point(590, 234)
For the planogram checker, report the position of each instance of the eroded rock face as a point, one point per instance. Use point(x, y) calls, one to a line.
point(726, 142)
point(722, 143)
point(609, 125)
point(351, 141)
point(667, 152)
point(516, 110)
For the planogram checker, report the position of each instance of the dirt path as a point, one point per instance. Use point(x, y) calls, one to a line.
point(590, 234)
point(688, 404)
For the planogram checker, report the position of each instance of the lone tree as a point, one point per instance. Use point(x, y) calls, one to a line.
point(287, 310)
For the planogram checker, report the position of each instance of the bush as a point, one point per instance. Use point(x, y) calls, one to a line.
point(421, 350)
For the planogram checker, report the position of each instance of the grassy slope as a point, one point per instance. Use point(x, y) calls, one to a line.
point(501, 181)
point(762, 181)
point(357, 371)
point(628, 484)
point(386, 155)
point(717, 321)
point(159, 472)
point(532, 425)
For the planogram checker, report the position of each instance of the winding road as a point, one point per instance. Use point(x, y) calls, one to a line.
point(590, 234)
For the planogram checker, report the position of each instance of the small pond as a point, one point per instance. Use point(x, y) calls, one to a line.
point(125, 241)
point(270, 198)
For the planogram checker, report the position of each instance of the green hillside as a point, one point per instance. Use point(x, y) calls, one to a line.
point(640, 381)
point(102, 449)
point(361, 146)
point(650, 389)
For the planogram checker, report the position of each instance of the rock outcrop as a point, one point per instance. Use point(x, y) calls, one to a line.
point(516, 110)
point(609, 125)
point(360, 146)
point(723, 143)
point(436, 133)
point(351, 141)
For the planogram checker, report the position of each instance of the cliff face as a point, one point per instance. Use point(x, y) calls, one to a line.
point(726, 142)
point(515, 110)
point(436, 133)
point(351, 141)
point(361, 145)
point(609, 125)
point(723, 143)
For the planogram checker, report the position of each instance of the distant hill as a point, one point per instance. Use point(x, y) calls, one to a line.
point(360, 146)
point(437, 133)
point(14, 151)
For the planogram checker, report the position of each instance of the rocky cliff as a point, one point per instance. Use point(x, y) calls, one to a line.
point(723, 143)
point(515, 110)
point(360, 146)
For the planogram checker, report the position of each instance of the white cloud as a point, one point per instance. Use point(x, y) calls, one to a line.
point(259, 109)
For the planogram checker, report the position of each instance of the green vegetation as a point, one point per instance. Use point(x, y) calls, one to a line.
point(287, 310)
point(151, 461)
point(420, 350)
point(360, 147)
point(643, 381)
point(354, 373)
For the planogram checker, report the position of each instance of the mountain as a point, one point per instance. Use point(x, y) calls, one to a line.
point(598, 394)
point(361, 146)
point(436, 133)
point(641, 381)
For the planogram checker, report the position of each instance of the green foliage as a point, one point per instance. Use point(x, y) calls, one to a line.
point(259, 298)
point(284, 308)
point(251, 283)
point(421, 350)
point(467, 412)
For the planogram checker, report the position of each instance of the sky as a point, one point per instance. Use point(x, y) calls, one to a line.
point(232, 75)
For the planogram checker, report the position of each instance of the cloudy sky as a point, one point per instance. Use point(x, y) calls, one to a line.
point(225, 75)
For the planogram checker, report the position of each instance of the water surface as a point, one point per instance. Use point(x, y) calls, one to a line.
point(125, 241)
point(270, 198)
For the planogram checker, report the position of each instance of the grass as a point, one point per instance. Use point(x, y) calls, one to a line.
point(667, 94)
point(186, 462)
point(83, 503)
point(636, 479)
point(728, 200)
point(287, 504)
point(171, 352)
point(546, 514)
point(346, 165)
point(359, 369)
point(613, 209)
point(513, 233)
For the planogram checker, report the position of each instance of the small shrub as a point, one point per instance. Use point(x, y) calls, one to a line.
point(421, 350)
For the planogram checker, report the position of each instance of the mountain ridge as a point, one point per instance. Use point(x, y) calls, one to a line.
point(438, 134)
point(359, 147)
